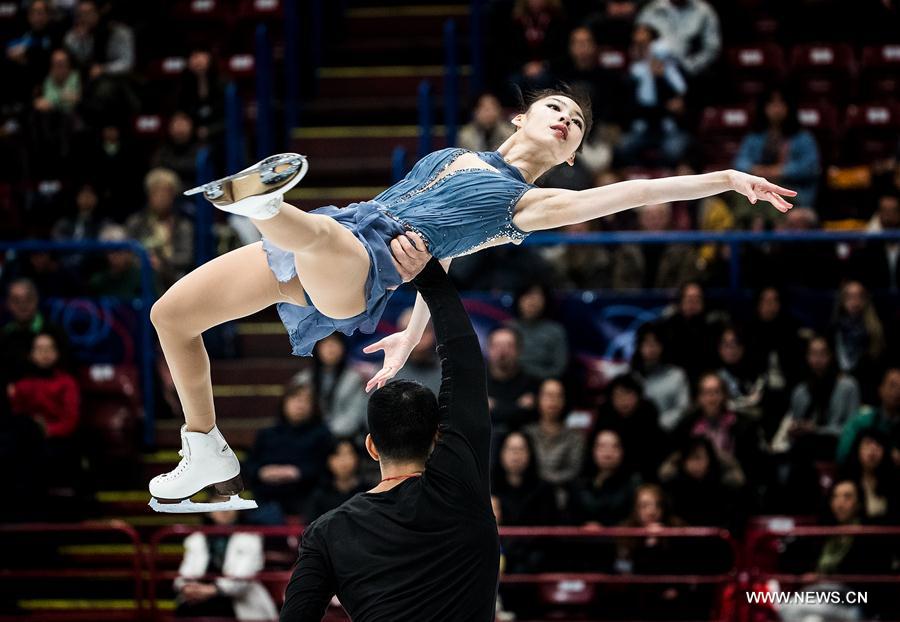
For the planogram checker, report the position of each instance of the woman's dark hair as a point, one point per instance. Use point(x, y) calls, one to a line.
point(791, 124)
point(296, 388)
point(566, 407)
point(634, 519)
point(318, 369)
point(884, 473)
point(860, 497)
point(575, 93)
point(546, 292)
point(589, 468)
point(638, 364)
point(692, 444)
point(530, 478)
point(626, 381)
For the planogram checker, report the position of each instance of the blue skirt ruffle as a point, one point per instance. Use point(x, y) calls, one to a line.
point(375, 229)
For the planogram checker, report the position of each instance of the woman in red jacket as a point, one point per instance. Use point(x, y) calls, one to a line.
point(47, 394)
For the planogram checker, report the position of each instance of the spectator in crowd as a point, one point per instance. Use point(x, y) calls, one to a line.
point(736, 438)
point(694, 476)
point(637, 266)
point(665, 385)
point(544, 345)
point(885, 418)
point(340, 388)
point(26, 322)
point(119, 185)
point(525, 499)
point(343, 480)
point(870, 464)
point(288, 459)
point(858, 335)
point(121, 276)
point(61, 90)
point(581, 69)
point(511, 391)
point(820, 405)
point(201, 95)
point(657, 107)
point(689, 27)
point(179, 151)
point(604, 493)
point(779, 149)
point(488, 128)
point(579, 266)
point(850, 554)
point(637, 420)
point(772, 340)
point(878, 264)
point(233, 560)
point(87, 221)
point(165, 233)
point(53, 122)
point(500, 269)
point(558, 450)
point(745, 383)
point(28, 55)
point(534, 35)
point(690, 332)
point(423, 365)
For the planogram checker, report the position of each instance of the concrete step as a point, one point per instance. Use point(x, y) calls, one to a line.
point(383, 80)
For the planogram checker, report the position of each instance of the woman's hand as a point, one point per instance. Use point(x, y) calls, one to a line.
point(756, 188)
point(396, 350)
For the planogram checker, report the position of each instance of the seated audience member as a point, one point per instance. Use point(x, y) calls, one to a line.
point(423, 365)
point(780, 150)
point(488, 128)
point(886, 417)
point(772, 340)
point(534, 33)
point(820, 405)
point(651, 554)
point(339, 387)
point(559, 450)
point(658, 89)
point(745, 383)
point(545, 350)
point(28, 55)
point(660, 266)
point(637, 421)
point(691, 27)
point(604, 493)
point(62, 86)
point(179, 151)
point(704, 490)
point(690, 332)
point(871, 465)
point(121, 276)
point(26, 321)
point(288, 459)
point(87, 221)
point(665, 385)
point(235, 559)
point(201, 94)
point(878, 264)
point(858, 336)
point(341, 483)
point(511, 391)
point(579, 266)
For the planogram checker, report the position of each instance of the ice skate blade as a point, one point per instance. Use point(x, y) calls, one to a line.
point(277, 173)
point(192, 507)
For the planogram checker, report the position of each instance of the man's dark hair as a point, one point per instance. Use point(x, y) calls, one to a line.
point(575, 93)
point(517, 335)
point(403, 419)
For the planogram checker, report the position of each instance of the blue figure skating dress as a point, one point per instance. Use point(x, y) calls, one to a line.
point(454, 213)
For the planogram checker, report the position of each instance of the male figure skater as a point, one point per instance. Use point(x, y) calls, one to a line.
point(423, 544)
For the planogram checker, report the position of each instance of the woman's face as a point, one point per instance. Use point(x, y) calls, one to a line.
point(344, 461)
point(551, 400)
point(514, 455)
point(871, 453)
point(854, 299)
point(531, 304)
point(844, 503)
point(43, 352)
point(161, 199)
point(651, 349)
point(649, 508)
point(331, 351)
point(691, 303)
point(624, 401)
point(776, 109)
point(607, 451)
point(86, 199)
point(298, 406)
point(730, 349)
point(818, 356)
point(711, 396)
point(696, 464)
point(769, 305)
point(556, 124)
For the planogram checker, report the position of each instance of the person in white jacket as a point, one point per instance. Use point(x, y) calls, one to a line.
point(236, 559)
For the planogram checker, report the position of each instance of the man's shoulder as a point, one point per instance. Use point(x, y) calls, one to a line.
point(334, 518)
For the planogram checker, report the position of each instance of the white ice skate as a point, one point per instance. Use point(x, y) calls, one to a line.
point(206, 460)
point(256, 192)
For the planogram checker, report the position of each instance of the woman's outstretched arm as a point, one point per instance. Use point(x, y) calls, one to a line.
point(542, 209)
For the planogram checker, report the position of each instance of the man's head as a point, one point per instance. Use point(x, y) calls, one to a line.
point(87, 15)
point(889, 391)
point(488, 111)
point(403, 421)
point(22, 300)
point(38, 15)
point(889, 211)
point(504, 348)
point(691, 300)
point(583, 49)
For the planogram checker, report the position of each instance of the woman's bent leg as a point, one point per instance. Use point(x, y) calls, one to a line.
point(232, 286)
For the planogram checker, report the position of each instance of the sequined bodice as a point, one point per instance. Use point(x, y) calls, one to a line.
point(459, 210)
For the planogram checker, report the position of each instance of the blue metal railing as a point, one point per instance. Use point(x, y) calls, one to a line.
point(398, 164)
point(145, 302)
point(203, 216)
point(476, 47)
point(292, 38)
point(263, 93)
point(426, 122)
point(234, 130)
point(451, 82)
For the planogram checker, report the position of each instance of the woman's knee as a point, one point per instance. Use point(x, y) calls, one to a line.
point(169, 315)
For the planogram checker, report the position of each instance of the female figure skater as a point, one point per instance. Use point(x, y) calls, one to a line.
point(331, 269)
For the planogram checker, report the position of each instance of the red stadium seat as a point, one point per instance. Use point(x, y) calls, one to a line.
point(613, 59)
point(822, 121)
point(823, 70)
point(880, 72)
point(753, 68)
point(574, 592)
point(872, 130)
point(723, 128)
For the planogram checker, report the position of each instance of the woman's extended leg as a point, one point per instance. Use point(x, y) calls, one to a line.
point(229, 287)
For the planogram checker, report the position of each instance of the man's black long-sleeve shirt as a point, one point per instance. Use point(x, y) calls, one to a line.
point(428, 548)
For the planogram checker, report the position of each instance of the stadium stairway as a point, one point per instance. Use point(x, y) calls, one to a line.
point(366, 103)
